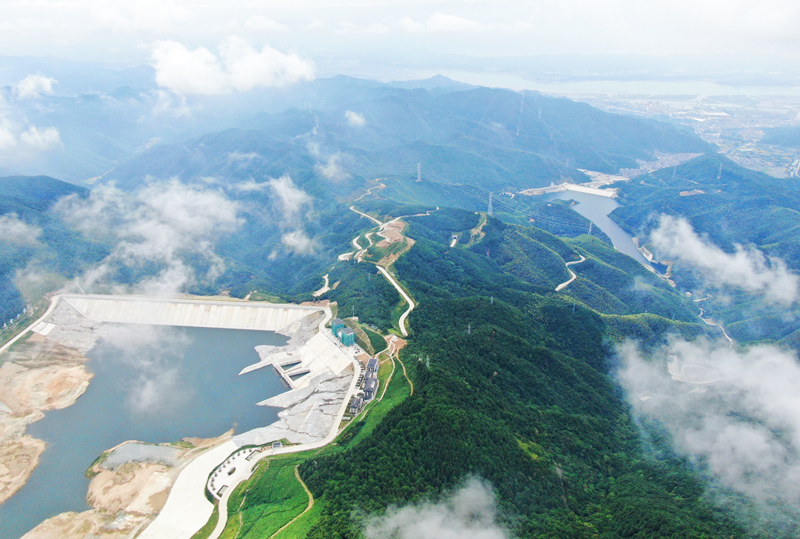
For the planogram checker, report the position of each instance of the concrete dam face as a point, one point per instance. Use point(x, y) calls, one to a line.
point(187, 312)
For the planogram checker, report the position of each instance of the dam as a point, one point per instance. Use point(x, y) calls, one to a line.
point(231, 314)
point(168, 368)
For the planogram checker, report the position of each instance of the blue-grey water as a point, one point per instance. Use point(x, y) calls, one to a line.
point(596, 208)
point(153, 384)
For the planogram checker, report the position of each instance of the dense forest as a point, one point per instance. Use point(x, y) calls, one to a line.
point(513, 383)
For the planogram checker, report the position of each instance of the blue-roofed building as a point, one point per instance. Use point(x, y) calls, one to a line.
point(348, 337)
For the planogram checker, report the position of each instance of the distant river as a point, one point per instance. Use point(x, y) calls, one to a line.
point(151, 383)
point(596, 208)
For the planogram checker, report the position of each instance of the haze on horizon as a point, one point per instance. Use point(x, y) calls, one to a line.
point(546, 40)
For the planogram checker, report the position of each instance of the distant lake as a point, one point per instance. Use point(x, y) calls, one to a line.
point(153, 384)
point(596, 208)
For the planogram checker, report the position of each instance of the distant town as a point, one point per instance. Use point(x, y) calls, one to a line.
point(734, 123)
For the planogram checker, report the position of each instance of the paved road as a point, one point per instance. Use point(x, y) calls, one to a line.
point(53, 304)
point(402, 321)
point(562, 286)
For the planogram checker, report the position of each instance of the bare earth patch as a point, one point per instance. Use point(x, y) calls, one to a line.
point(18, 458)
point(124, 500)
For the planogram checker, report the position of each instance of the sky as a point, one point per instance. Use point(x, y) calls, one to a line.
point(403, 32)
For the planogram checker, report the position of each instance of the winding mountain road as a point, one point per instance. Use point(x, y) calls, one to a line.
point(563, 285)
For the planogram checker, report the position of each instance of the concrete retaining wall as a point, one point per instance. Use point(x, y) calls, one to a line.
point(192, 313)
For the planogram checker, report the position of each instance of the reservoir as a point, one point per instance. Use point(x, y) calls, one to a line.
point(596, 208)
point(151, 383)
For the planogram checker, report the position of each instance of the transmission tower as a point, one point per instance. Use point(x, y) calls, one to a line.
point(419, 172)
point(490, 210)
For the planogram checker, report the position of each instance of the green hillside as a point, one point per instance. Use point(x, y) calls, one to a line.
point(736, 206)
point(511, 383)
point(55, 252)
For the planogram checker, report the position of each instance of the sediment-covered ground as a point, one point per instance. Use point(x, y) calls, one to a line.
point(38, 374)
point(126, 497)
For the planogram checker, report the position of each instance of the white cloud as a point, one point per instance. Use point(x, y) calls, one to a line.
point(18, 143)
point(355, 118)
point(737, 413)
point(17, 232)
point(160, 226)
point(39, 140)
point(316, 24)
point(441, 22)
point(263, 24)
point(239, 67)
point(746, 268)
point(332, 168)
point(250, 186)
point(34, 86)
point(469, 512)
point(155, 353)
point(244, 157)
point(292, 200)
point(297, 241)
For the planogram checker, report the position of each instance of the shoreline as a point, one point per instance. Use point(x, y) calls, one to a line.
point(72, 334)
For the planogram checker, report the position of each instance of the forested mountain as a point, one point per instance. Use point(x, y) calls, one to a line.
point(730, 205)
point(36, 246)
point(489, 137)
point(512, 383)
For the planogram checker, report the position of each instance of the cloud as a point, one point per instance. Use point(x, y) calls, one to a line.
point(747, 268)
point(351, 28)
point(33, 86)
point(16, 232)
point(441, 22)
point(332, 168)
point(18, 143)
point(291, 198)
point(263, 24)
point(298, 242)
point(155, 353)
point(469, 512)
point(250, 186)
point(291, 201)
point(245, 157)
point(239, 67)
point(736, 413)
point(165, 230)
point(40, 140)
point(355, 119)
point(316, 24)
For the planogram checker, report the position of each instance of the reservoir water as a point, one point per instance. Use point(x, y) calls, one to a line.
point(596, 208)
point(153, 384)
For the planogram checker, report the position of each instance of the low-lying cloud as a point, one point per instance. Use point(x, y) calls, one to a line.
point(238, 67)
point(735, 412)
point(355, 119)
point(469, 512)
point(160, 227)
point(747, 268)
point(14, 231)
point(332, 168)
point(20, 139)
point(34, 86)
point(155, 355)
point(292, 201)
